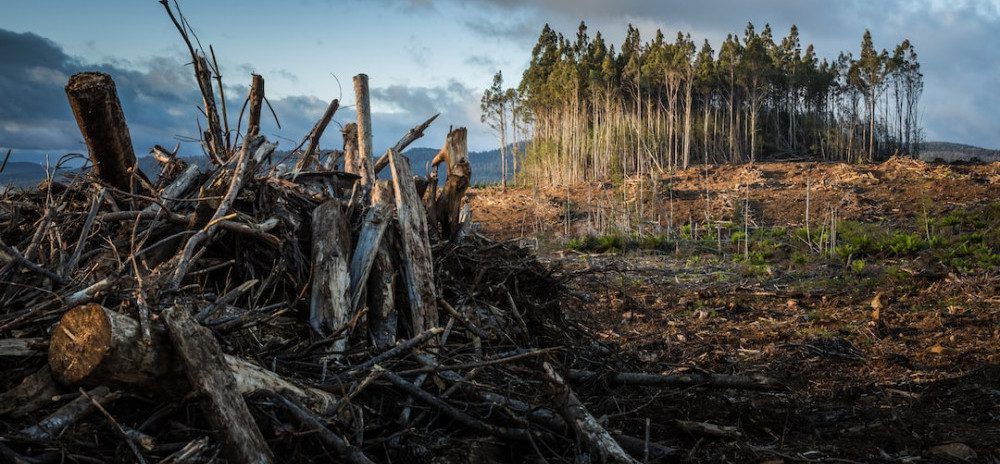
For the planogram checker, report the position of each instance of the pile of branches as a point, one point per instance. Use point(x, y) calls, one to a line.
point(257, 310)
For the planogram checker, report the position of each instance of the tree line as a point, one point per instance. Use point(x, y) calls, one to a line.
point(591, 112)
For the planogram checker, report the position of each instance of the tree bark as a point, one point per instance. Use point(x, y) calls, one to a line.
point(369, 240)
point(330, 302)
point(381, 293)
point(449, 204)
point(93, 99)
point(418, 266)
point(256, 103)
point(363, 110)
point(352, 157)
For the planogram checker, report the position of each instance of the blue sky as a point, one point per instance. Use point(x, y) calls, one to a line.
point(426, 56)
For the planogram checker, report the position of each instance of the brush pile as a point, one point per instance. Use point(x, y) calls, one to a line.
point(255, 310)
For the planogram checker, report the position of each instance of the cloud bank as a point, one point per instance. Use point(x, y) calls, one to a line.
point(956, 40)
point(159, 97)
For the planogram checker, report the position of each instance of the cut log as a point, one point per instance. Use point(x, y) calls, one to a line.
point(93, 345)
point(363, 110)
point(94, 101)
point(256, 102)
point(449, 204)
point(418, 265)
point(208, 373)
point(586, 426)
point(91, 342)
point(330, 302)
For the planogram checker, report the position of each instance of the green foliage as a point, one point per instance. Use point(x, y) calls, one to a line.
point(590, 108)
point(904, 244)
point(738, 237)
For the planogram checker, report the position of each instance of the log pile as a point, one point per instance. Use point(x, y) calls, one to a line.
point(259, 311)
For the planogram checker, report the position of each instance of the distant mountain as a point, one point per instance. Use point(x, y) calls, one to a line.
point(948, 151)
point(485, 167)
point(485, 164)
point(22, 174)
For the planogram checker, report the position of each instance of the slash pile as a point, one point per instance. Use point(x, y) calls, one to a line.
point(254, 311)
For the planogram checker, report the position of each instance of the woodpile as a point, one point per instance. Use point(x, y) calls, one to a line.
point(260, 310)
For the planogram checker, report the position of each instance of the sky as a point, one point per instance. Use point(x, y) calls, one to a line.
point(427, 56)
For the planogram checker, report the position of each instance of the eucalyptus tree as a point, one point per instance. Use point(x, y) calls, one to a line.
point(597, 113)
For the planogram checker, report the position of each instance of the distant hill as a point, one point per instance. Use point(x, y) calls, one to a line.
point(485, 164)
point(22, 174)
point(485, 167)
point(948, 151)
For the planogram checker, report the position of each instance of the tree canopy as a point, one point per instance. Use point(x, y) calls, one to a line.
point(590, 112)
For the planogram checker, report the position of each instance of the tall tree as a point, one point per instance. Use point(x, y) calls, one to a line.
point(494, 105)
point(589, 112)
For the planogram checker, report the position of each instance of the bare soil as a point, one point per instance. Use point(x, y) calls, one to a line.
point(898, 361)
point(900, 190)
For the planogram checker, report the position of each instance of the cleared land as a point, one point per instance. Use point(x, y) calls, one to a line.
point(887, 339)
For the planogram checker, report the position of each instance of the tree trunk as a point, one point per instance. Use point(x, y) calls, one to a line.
point(352, 158)
point(449, 203)
point(418, 266)
point(363, 110)
point(382, 316)
point(94, 102)
point(256, 103)
point(330, 301)
point(687, 120)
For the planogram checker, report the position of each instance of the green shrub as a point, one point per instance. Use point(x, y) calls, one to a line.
point(904, 244)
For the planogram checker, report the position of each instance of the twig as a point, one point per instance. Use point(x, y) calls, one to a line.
point(118, 427)
point(344, 449)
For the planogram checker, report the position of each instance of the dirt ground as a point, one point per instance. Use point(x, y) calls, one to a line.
point(895, 359)
point(900, 189)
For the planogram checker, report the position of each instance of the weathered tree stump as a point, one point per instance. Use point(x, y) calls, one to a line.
point(448, 206)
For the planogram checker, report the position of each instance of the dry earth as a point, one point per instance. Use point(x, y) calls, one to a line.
point(893, 360)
